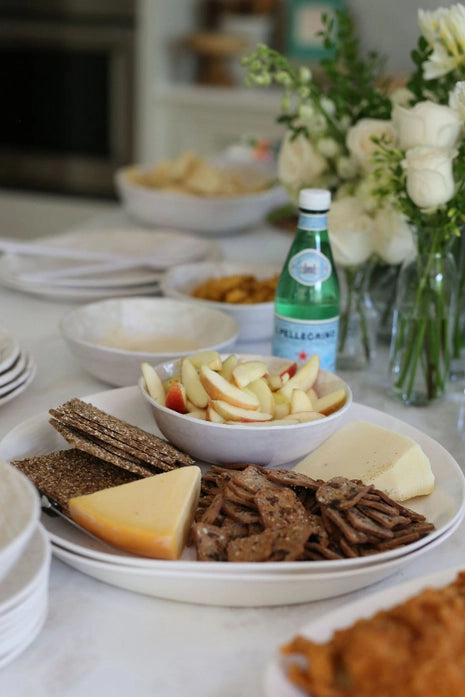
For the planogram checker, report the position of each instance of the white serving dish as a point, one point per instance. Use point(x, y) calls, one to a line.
point(19, 515)
point(255, 320)
point(260, 444)
point(129, 323)
point(248, 583)
point(203, 214)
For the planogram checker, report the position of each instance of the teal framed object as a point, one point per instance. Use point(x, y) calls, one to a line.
point(303, 22)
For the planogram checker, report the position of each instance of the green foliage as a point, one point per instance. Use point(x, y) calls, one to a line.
point(352, 85)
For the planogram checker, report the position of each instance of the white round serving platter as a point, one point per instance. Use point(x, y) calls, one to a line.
point(275, 682)
point(255, 588)
point(445, 507)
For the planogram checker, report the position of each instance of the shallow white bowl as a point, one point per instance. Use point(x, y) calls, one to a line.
point(260, 445)
point(255, 321)
point(19, 515)
point(208, 215)
point(155, 326)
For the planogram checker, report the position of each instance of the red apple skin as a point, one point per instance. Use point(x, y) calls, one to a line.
point(176, 398)
point(290, 370)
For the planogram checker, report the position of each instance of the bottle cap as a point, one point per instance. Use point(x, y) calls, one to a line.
point(314, 199)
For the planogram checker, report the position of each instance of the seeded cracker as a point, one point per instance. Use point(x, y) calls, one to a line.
point(92, 421)
point(93, 448)
point(62, 474)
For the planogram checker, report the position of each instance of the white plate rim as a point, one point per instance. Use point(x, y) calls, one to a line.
point(29, 377)
point(275, 682)
point(124, 396)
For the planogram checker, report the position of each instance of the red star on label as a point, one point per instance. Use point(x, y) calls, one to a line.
point(303, 355)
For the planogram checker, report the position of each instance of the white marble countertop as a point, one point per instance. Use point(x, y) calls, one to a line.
point(101, 640)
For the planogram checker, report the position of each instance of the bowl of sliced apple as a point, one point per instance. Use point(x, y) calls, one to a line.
point(231, 408)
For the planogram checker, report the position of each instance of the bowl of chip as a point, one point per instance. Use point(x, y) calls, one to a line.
point(19, 515)
point(236, 408)
point(111, 338)
point(244, 291)
point(197, 194)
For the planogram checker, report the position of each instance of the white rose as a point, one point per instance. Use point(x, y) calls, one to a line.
point(457, 99)
point(393, 236)
point(401, 95)
point(426, 124)
point(351, 232)
point(346, 167)
point(328, 147)
point(430, 179)
point(299, 163)
point(359, 139)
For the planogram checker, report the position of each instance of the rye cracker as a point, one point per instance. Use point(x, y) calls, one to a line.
point(107, 424)
point(62, 474)
point(86, 445)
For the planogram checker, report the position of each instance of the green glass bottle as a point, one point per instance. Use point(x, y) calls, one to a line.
point(307, 295)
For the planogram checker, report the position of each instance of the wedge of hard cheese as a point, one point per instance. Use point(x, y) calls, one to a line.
point(391, 462)
point(149, 516)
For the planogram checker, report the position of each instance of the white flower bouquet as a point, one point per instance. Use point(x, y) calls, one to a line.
point(394, 159)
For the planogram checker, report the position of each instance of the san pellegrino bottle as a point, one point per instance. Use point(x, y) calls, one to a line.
point(306, 314)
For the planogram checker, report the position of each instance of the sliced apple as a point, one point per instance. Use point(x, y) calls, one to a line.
point(210, 358)
point(195, 391)
point(228, 366)
point(169, 381)
point(229, 412)
point(213, 416)
point(176, 398)
point(248, 371)
point(275, 382)
point(304, 378)
point(290, 370)
point(313, 396)
point(261, 388)
point(300, 401)
point(200, 414)
point(331, 402)
point(282, 405)
point(153, 383)
point(302, 416)
point(219, 388)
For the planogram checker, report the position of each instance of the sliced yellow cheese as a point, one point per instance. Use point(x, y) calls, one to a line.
point(393, 463)
point(150, 516)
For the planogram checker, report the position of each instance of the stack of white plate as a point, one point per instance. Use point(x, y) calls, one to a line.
point(17, 368)
point(99, 263)
point(240, 584)
point(25, 554)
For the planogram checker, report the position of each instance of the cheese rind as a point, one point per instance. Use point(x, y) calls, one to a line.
point(393, 463)
point(150, 516)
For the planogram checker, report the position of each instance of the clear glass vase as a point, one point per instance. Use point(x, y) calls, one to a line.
point(421, 341)
point(358, 318)
point(457, 361)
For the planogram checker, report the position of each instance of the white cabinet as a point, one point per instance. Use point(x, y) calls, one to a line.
point(172, 113)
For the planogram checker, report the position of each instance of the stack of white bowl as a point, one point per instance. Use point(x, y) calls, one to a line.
point(25, 554)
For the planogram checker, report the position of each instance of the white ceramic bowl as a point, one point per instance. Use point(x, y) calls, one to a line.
point(262, 444)
point(111, 338)
point(203, 214)
point(19, 515)
point(255, 321)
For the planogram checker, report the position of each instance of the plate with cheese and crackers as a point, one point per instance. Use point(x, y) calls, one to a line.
point(116, 428)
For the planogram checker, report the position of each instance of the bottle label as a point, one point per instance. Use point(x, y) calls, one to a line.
point(313, 221)
point(298, 340)
point(309, 267)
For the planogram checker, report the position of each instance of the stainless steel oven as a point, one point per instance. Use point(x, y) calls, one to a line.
point(66, 115)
